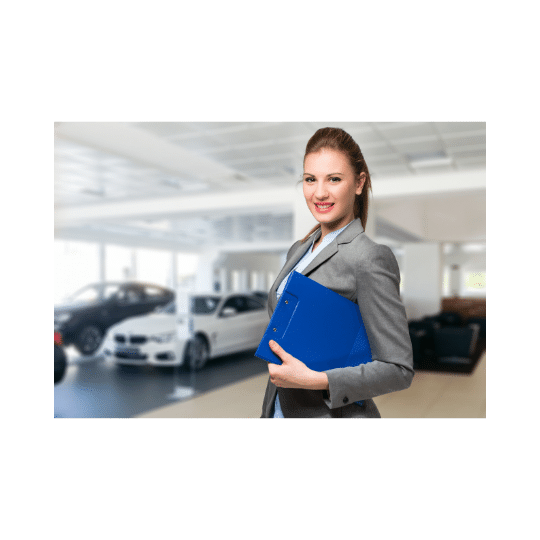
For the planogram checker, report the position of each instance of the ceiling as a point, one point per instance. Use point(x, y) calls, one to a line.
point(99, 164)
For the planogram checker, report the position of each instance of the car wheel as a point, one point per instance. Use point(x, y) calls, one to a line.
point(89, 340)
point(60, 363)
point(197, 354)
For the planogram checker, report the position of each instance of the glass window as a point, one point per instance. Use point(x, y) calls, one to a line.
point(76, 264)
point(204, 305)
point(86, 294)
point(231, 303)
point(186, 268)
point(169, 308)
point(110, 290)
point(252, 304)
point(475, 283)
point(118, 263)
point(241, 304)
point(153, 266)
point(446, 281)
point(153, 292)
point(129, 295)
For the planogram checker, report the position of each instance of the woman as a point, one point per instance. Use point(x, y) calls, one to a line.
point(338, 254)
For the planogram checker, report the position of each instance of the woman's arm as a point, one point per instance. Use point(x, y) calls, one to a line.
point(383, 313)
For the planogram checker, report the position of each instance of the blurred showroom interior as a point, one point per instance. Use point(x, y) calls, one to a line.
point(208, 210)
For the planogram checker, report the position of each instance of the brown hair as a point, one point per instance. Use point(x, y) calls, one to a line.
point(337, 139)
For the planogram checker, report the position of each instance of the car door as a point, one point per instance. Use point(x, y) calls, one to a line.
point(128, 302)
point(256, 322)
point(232, 321)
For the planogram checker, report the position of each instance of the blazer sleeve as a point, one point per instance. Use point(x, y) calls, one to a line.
point(383, 313)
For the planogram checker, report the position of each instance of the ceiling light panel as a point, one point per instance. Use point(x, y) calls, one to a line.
point(167, 129)
point(382, 170)
point(426, 147)
point(398, 132)
point(459, 127)
point(477, 141)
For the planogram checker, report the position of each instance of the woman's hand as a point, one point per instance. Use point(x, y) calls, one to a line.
point(293, 373)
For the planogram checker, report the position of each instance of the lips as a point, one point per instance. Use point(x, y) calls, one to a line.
point(324, 207)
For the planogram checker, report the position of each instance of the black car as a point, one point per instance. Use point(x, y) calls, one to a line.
point(261, 295)
point(87, 315)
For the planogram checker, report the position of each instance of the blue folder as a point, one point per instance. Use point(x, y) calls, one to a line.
point(316, 325)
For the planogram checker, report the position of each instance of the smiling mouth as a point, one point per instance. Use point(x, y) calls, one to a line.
point(323, 207)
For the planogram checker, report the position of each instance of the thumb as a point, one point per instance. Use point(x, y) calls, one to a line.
point(278, 350)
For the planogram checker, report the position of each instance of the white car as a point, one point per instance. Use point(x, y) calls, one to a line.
point(213, 325)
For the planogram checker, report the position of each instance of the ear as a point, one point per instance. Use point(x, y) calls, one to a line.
point(360, 183)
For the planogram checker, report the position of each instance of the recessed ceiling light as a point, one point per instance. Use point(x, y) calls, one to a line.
point(437, 162)
point(473, 248)
point(434, 159)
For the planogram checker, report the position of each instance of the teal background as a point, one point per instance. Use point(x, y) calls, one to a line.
point(262, 61)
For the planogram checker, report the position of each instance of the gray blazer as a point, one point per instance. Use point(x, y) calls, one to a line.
point(367, 273)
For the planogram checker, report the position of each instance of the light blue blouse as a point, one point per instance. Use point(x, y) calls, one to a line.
point(300, 266)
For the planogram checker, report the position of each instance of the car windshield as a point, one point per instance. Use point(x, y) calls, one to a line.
point(169, 308)
point(200, 305)
point(204, 305)
point(93, 293)
point(90, 293)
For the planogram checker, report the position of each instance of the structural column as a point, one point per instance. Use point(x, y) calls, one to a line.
point(422, 279)
point(370, 229)
point(205, 270)
point(223, 280)
point(133, 271)
point(243, 278)
point(174, 270)
point(102, 263)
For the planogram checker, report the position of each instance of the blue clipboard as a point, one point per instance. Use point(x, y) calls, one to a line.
point(316, 325)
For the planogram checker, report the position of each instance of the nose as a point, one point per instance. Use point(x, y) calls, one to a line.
point(320, 191)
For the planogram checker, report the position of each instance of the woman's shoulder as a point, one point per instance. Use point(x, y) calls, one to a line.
point(298, 243)
point(366, 250)
point(292, 249)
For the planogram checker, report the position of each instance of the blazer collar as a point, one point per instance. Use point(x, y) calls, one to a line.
point(352, 231)
point(346, 236)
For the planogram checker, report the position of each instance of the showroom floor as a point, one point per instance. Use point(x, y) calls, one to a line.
point(97, 388)
point(233, 387)
point(431, 395)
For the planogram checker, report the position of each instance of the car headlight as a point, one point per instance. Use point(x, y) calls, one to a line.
point(162, 338)
point(62, 317)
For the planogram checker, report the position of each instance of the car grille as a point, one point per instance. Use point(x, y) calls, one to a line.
point(165, 357)
point(130, 355)
point(134, 340)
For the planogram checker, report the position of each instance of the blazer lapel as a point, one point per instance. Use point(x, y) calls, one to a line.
point(352, 231)
point(287, 267)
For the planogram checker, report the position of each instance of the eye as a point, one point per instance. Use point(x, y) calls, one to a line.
point(309, 179)
point(335, 179)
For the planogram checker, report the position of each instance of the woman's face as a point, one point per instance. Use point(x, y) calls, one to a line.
point(330, 188)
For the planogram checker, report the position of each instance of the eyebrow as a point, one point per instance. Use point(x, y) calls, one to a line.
point(331, 174)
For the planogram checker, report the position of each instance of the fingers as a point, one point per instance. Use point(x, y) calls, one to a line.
point(278, 350)
point(276, 371)
point(273, 371)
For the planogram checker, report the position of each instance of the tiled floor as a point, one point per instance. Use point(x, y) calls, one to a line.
point(431, 395)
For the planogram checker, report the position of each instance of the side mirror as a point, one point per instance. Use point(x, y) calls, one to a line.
point(228, 311)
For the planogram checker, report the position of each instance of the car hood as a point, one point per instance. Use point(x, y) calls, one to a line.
point(155, 323)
